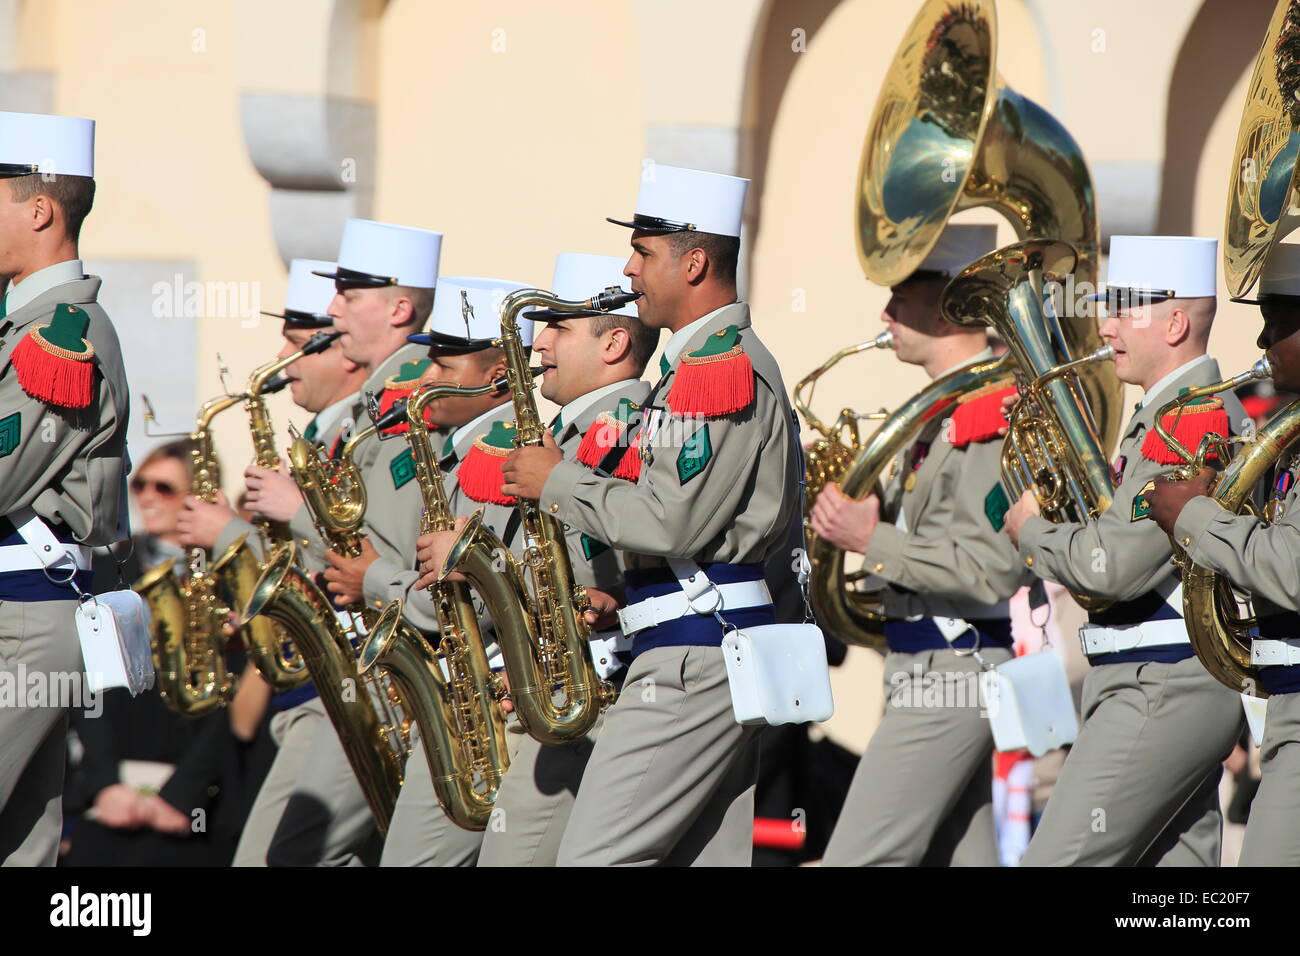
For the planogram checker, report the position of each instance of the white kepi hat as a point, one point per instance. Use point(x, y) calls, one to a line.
point(1155, 268)
point(960, 244)
point(467, 314)
point(1281, 276)
point(377, 254)
point(673, 199)
point(579, 276)
point(309, 296)
point(40, 143)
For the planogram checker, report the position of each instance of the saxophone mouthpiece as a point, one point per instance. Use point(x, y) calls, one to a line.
point(271, 386)
point(613, 298)
point(320, 342)
point(394, 416)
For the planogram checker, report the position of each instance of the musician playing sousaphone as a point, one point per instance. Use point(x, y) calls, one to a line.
point(1263, 558)
point(923, 790)
point(1140, 785)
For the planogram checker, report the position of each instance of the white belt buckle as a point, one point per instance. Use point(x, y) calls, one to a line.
point(1127, 638)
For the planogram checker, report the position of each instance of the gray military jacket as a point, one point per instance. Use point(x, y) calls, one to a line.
point(719, 489)
point(950, 559)
point(69, 465)
point(1123, 554)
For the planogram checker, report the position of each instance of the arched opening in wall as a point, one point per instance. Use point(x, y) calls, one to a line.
point(1221, 42)
point(785, 31)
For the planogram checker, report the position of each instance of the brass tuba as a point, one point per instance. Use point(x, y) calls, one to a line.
point(366, 711)
point(450, 691)
point(947, 134)
point(1220, 634)
point(555, 689)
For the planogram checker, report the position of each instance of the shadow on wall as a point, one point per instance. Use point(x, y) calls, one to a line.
point(1220, 44)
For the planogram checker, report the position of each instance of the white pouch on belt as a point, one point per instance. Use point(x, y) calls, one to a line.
point(113, 628)
point(1029, 703)
point(777, 673)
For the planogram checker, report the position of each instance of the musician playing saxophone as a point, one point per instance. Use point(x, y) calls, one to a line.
point(922, 792)
point(1263, 559)
point(1140, 785)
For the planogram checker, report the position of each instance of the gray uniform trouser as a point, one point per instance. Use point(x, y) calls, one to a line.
point(923, 792)
point(327, 820)
point(37, 637)
point(536, 800)
point(292, 731)
point(1140, 785)
point(1273, 831)
point(671, 778)
point(420, 834)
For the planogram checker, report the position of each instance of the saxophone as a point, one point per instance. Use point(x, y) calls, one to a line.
point(546, 647)
point(276, 659)
point(189, 617)
point(365, 712)
point(450, 691)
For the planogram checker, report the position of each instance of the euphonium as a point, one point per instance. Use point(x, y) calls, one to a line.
point(365, 711)
point(1220, 634)
point(555, 689)
point(450, 691)
point(943, 107)
point(832, 455)
point(189, 617)
point(238, 568)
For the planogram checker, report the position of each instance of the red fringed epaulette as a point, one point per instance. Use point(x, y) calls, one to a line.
point(629, 468)
point(978, 416)
point(716, 379)
point(55, 363)
point(399, 386)
point(480, 473)
point(606, 432)
point(1194, 421)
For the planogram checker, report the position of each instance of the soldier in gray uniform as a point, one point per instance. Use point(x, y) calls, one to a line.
point(923, 792)
point(327, 384)
point(384, 291)
point(1264, 559)
point(63, 458)
point(671, 779)
point(1140, 784)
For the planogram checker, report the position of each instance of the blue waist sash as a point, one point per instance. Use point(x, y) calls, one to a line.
point(289, 699)
point(693, 630)
point(31, 584)
point(913, 637)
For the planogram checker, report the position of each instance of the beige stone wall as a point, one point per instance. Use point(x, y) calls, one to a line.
point(516, 127)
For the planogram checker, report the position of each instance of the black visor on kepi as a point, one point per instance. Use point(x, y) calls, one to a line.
point(451, 344)
point(653, 224)
point(361, 280)
point(1118, 299)
point(303, 320)
point(9, 170)
point(1268, 298)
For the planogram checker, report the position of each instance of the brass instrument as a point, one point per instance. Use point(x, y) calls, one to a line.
point(449, 690)
point(365, 711)
point(189, 617)
point(947, 135)
point(546, 647)
point(1220, 634)
point(1264, 180)
point(831, 455)
point(275, 657)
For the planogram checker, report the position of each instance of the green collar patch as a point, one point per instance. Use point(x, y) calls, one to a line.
point(1141, 506)
point(695, 455)
point(591, 547)
point(10, 431)
point(402, 468)
point(996, 506)
point(721, 341)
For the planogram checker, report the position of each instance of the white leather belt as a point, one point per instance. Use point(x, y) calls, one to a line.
point(1273, 652)
point(669, 607)
point(1113, 640)
point(20, 557)
point(604, 646)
